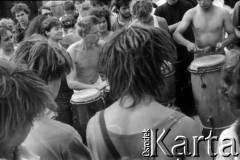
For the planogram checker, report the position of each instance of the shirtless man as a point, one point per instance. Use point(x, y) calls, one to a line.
point(6, 43)
point(85, 54)
point(208, 22)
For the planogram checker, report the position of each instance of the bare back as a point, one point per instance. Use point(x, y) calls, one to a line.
point(85, 61)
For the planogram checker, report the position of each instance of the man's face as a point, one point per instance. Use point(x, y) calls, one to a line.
point(102, 25)
point(205, 4)
point(7, 41)
point(172, 2)
point(92, 36)
point(46, 12)
point(124, 11)
point(56, 33)
point(22, 17)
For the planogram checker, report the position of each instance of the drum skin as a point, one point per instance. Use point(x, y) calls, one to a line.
point(209, 101)
point(82, 112)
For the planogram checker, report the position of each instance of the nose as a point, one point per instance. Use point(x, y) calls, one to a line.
point(101, 24)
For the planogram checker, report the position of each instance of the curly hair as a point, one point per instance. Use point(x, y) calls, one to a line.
point(141, 8)
point(102, 12)
point(7, 23)
point(50, 62)
point(20, 7)
point(23, 98)
point(119, 3)
point(133, 60)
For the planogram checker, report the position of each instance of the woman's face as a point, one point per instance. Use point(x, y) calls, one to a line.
point(102, 25)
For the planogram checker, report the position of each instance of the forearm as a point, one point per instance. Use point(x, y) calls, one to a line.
point(75, 85)
point(178, 37)
point(173, 27)
point(231, 37)
point(237, 33)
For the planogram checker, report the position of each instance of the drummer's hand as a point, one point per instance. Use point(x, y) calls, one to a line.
point(191, 47)
point(207, 49)
point(219, 46)
point(102, 85)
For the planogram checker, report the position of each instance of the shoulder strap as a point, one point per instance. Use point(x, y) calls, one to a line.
point(106, 137)
point(155, 21)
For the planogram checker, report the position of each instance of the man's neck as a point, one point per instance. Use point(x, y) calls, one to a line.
point(104, 34)
point(24, 25)
point(51, 41)
point(208, 9)
point(126, 21)
point(146, 20)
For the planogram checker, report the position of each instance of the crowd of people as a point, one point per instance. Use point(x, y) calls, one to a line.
point(137, 49)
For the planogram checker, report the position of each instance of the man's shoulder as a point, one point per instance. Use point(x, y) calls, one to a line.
point(72, 48)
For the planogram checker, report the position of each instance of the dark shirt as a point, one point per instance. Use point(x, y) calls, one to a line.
point(20, 32)
point(173, 14)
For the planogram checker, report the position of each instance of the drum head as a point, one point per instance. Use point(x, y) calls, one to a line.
point(85, 95)
point(210, 62)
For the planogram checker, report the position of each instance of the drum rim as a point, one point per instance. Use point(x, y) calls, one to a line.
point(205, 69)
point(88, 101)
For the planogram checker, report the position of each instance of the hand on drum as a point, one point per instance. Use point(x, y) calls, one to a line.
point(102, 85)
point(218, 46)
point(191, 47)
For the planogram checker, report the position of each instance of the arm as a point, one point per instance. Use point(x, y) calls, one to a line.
point(228, 27)
point(235, 19)
point(162, 23)
point(71, 78)
point(173, 27)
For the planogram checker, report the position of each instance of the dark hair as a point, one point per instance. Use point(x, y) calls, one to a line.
point(68, 21)
point(68, 6)
point(23, 97)
point(19, 7)
point(49, 23)
point(132, 61)
point(43, 7)
point(49, 61)
point(35, 26)
point(119, 3)
point(102, 12)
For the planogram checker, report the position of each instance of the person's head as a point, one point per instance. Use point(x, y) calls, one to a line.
point(88, 30)
point(21, 12)
point(68, 22)
point(104, 22)
point(52, 29)
point(78, 4)
point(35, 26)
point(6, 39)
point(205, 4)
point(50, 62)
point(23, 98)
point(132, 61)
point(7, 23)
point(44, 10)
point(69, 7)
point(172, 2)
point(230, 84)
point(123, 8)
point(141, 8)
point(85, 9)
point(100, 3)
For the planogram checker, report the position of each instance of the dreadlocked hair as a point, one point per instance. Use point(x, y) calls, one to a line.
point(133, 59)
point(50, 62)
point(23, 98)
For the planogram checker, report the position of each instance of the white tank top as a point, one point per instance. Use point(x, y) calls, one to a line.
point(155, 21)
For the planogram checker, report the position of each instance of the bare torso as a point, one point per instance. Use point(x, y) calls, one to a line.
point(207, 27)
point(85, 61)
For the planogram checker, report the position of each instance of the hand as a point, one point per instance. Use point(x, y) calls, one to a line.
point(207, 49)
point(219, 46)
point(102, 85)
point(191, 47)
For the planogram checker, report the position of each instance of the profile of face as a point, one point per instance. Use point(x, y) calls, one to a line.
point(92, 37)
point(205, 4)
point(102, 25)
point(46, 12)
point(22, 17)
point(54, 87)
point(7, 41)
point(124, 11)
point(172, 2)
point(55, 34)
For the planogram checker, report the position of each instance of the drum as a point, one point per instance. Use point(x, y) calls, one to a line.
point(84, 104)
point(168, 91)
point(107, 97)
point(212, 108)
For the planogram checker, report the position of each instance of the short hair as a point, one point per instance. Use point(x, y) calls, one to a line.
point(102, 12)
point(86, 24)
point(7, 23)
point(230, 83)
point(3, 32)
point(23, 97)
point(19, 7)
point(35, 26)
point(49, 23)
point(141, 8)
point(43, 7)
point(49, 61)
point(119, 3)
point(68, 21)
point(68, 6)
point(132, 61)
